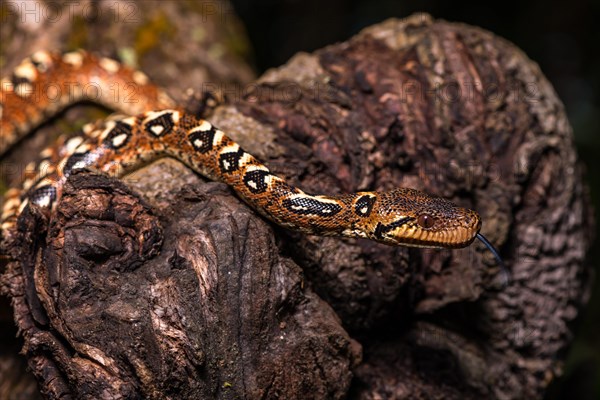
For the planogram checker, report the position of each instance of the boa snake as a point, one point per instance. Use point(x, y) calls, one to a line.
point(47, 82)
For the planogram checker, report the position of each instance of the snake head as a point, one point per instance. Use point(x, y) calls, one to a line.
point(408, 217)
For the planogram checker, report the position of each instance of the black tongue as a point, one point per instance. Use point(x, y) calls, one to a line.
point(503, 269)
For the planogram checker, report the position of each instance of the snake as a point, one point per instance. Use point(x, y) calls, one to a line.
point(150, 126)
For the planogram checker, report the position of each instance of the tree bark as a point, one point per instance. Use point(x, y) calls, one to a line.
point(170, 286)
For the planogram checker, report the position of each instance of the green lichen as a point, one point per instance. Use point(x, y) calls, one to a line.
point(158, 28)
point(236, 40)
point(3, 187)
point(128, 56)
point(7, 28)
point(198, 34)
point(78, 37)
point(233, 39)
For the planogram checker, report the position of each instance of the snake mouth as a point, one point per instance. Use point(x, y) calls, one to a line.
point(404, 233)
point(452, 238)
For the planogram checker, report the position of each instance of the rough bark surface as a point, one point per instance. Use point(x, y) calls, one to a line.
point(171, 286)
point(206, 45)
point(130, 321)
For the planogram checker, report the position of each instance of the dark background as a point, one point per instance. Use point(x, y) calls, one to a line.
point(563, 37)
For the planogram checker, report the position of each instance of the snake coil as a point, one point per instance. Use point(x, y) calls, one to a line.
point(47, 82)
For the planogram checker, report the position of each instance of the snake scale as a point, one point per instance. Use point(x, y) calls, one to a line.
point(46, 83)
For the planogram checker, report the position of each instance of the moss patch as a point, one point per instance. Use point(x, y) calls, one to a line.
point(150, 34)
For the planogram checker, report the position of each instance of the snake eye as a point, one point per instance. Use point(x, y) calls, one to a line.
point(426, 221)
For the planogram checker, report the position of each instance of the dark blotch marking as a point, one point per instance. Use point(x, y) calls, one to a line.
point(229, 162)
point(367, 202)
point(86, 158)
point(119, 129)
point(259, 178)
point(207, 140)
point(165, 120)
point(380, 229)
point(17, 80)
point(42, 193)
point(36, 64)
point(309, 206)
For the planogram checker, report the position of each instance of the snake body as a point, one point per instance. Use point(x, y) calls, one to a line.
point(120, 144)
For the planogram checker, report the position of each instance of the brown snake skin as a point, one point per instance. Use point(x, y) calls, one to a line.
point(46, 82)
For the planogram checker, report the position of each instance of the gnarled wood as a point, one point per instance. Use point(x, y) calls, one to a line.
point(223, 309)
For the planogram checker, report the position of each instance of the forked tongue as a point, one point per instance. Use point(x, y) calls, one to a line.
point(503, 269)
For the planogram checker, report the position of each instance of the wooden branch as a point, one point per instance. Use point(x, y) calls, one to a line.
point(183, 291)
